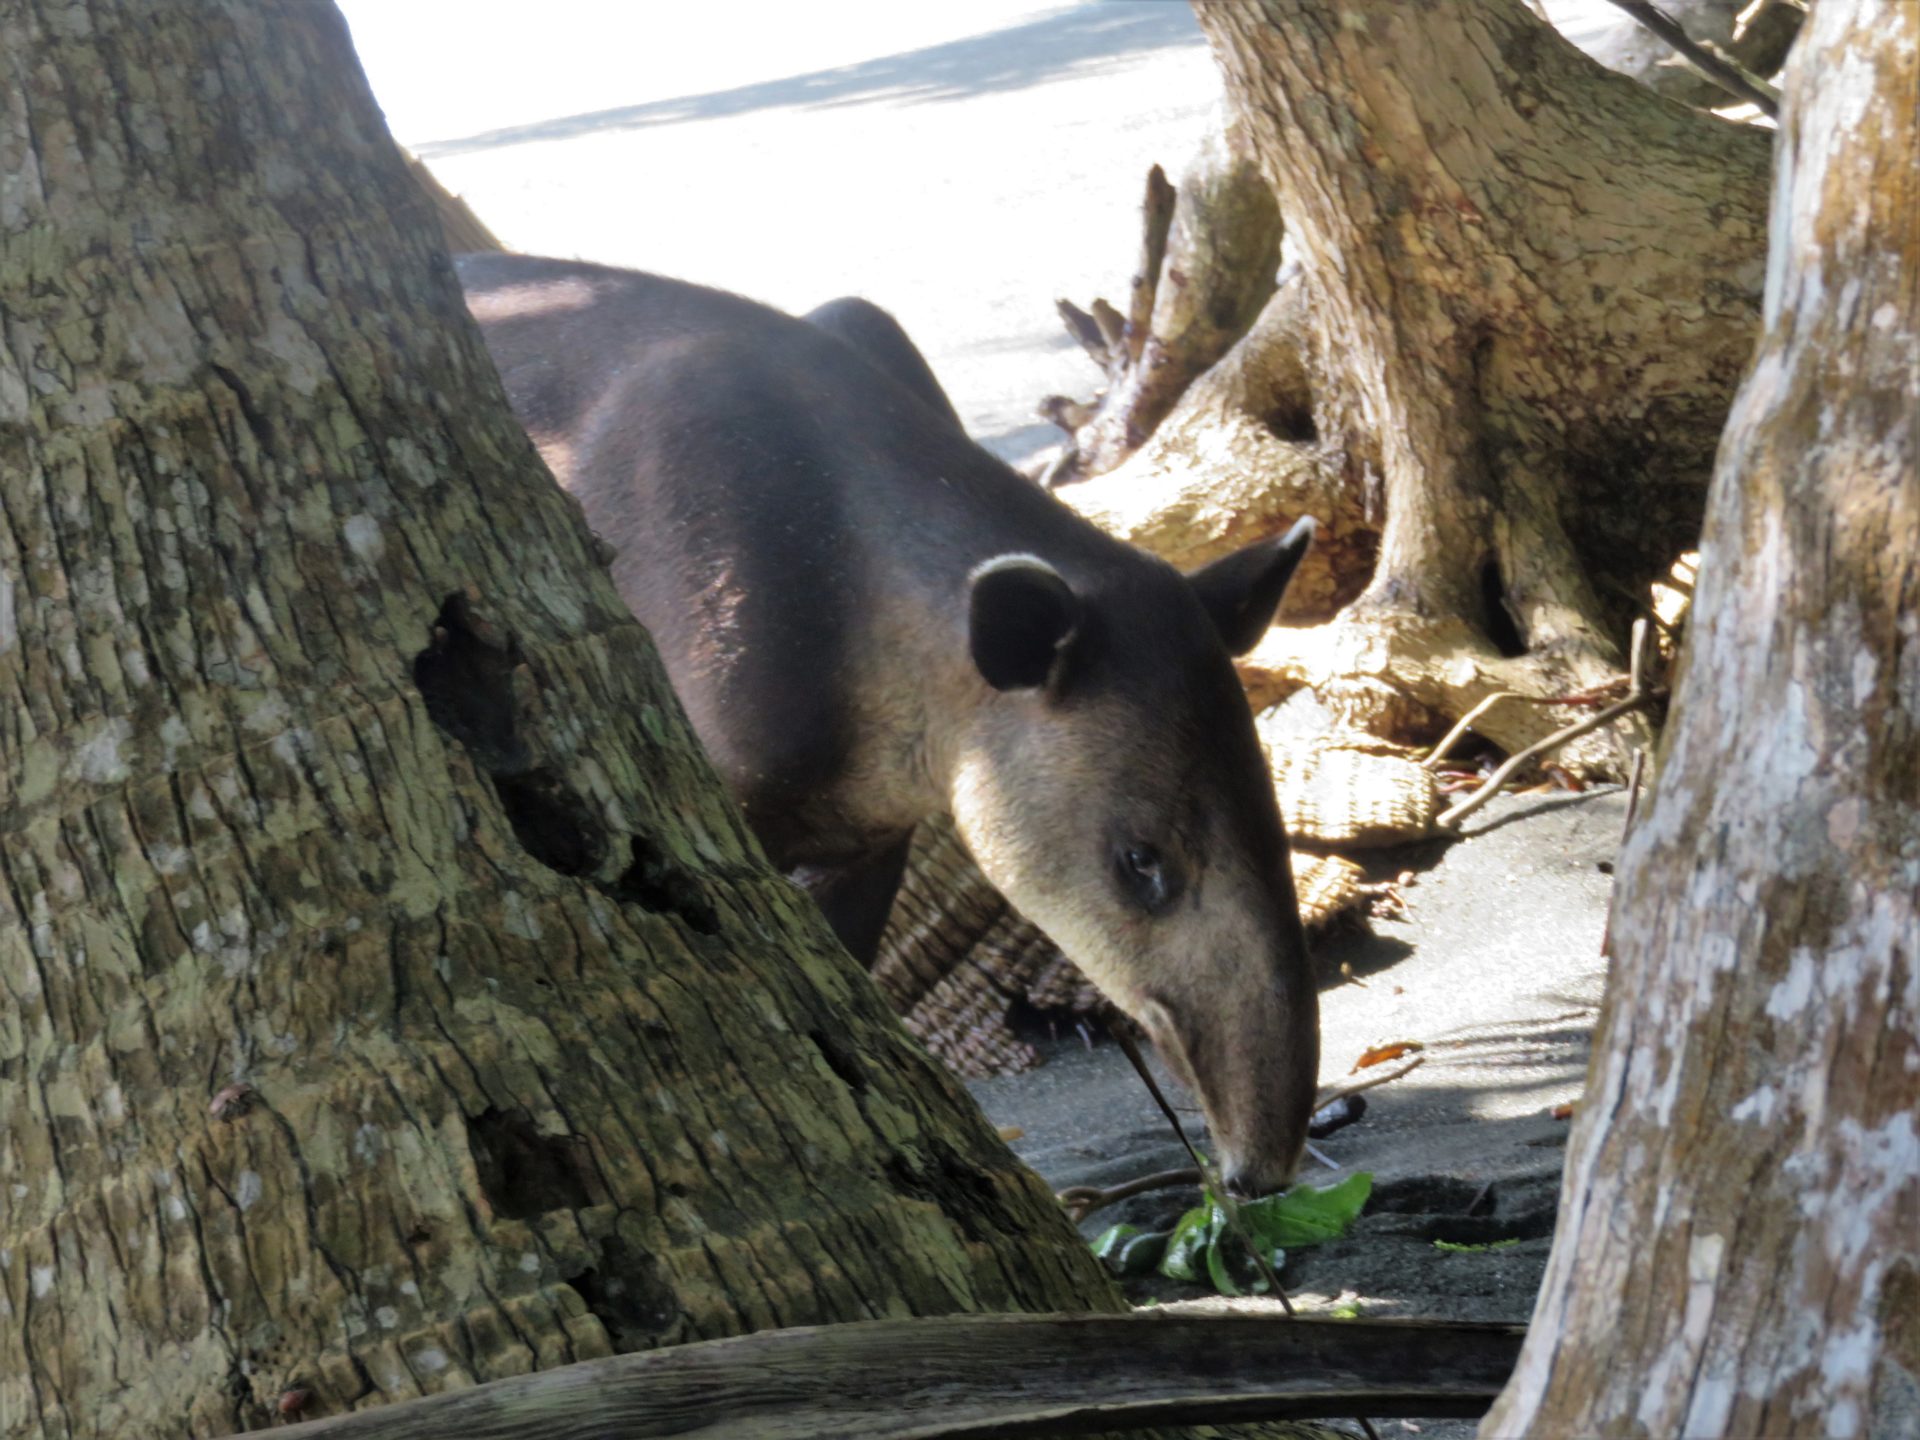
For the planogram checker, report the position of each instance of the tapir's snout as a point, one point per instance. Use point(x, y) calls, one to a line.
point(1246, 1040)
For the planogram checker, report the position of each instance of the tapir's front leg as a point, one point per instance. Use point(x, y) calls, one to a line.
point(857, 897)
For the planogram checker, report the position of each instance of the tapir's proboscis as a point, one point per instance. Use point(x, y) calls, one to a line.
point(871, 620)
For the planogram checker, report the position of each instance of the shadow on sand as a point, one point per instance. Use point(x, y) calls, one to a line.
point(1009, 59)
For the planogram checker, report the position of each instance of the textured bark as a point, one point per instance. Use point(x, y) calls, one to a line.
point(1533, 286)
point(1738, 1250)
point(392, 1000)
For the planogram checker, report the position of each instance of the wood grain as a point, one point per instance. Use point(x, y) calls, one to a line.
point(976, 1375)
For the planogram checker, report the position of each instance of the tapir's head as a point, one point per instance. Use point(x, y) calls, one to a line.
point(1111, 785)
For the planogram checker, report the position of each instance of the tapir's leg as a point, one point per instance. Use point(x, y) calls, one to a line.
point(857, 898)
point(878, 336)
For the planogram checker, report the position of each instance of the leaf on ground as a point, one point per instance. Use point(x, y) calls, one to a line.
point(1186, 1251)
point(1381, 1054)
point(1455, 1249)
point(1202, 1243)
point(1306, 1216)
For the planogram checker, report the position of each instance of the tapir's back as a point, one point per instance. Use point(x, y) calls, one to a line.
point(767, 490)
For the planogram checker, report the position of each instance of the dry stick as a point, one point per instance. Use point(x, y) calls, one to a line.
point(1451, 817)
point(1219, 1191)
point(1633, 792)
point(1082, 1200)
point(1452, 738)
point(1642, 655)
point(1710, 60)
point(1353, 1087)
point(1465, 723)
point(1626, 827)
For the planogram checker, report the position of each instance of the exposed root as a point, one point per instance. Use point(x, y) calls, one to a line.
point(1404, 676)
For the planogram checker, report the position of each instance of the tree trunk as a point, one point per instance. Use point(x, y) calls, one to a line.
point(1532, 288)
point(1739, 1244)
point(393, 1001)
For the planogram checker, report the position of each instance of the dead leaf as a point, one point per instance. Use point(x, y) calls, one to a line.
point(1380, 1054)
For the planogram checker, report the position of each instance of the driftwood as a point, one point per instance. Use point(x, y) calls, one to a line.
point(1208, 253)
point(975, 1375)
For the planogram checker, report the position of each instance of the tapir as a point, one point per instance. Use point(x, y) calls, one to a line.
point(870, 620)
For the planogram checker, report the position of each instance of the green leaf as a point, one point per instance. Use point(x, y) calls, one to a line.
point(1201, 1242)
point(1349, 1311)
point(1306, 1216)
point(1217, 1270)
point(1107, 1244)
point(1452, 1249)
point(1191, 1238)
point(1140, 1255)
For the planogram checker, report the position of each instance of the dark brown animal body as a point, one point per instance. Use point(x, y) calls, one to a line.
point(870, 619)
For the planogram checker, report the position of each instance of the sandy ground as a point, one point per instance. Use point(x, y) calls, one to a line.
point(964, 166)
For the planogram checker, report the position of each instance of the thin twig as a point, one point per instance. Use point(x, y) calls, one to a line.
point(1633, 792)
point(1452, 737)
point(1713, 62)
point(1340, 1092)
point(1083, 1200)
point(1228, 1208)
point(1626, 827)
point(1452, 816)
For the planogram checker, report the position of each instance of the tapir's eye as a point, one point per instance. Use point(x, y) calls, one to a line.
point(1147, 877)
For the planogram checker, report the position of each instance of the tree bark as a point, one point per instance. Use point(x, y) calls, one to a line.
point(1738, 1249)
point(393, 1001)
point(1532, 288)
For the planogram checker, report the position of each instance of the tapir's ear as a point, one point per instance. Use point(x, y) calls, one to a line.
point(1242, 590)
point(1021, 620)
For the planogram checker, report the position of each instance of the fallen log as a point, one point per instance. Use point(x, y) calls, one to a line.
point(973, 1375)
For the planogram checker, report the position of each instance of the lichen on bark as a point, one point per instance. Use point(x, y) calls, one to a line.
point(1740, 1233)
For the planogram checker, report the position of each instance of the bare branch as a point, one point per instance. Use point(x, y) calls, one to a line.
point(1156, 219)
point(1450, 818)
point(1709, 59)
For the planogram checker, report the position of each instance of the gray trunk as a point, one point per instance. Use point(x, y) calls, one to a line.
point(1739, 1243)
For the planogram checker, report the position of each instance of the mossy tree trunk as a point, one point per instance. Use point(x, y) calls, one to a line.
point(1738, 1250)
point(392, 1000)
point(1531, 286)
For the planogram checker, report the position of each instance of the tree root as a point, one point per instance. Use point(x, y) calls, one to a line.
point(1404, 676)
